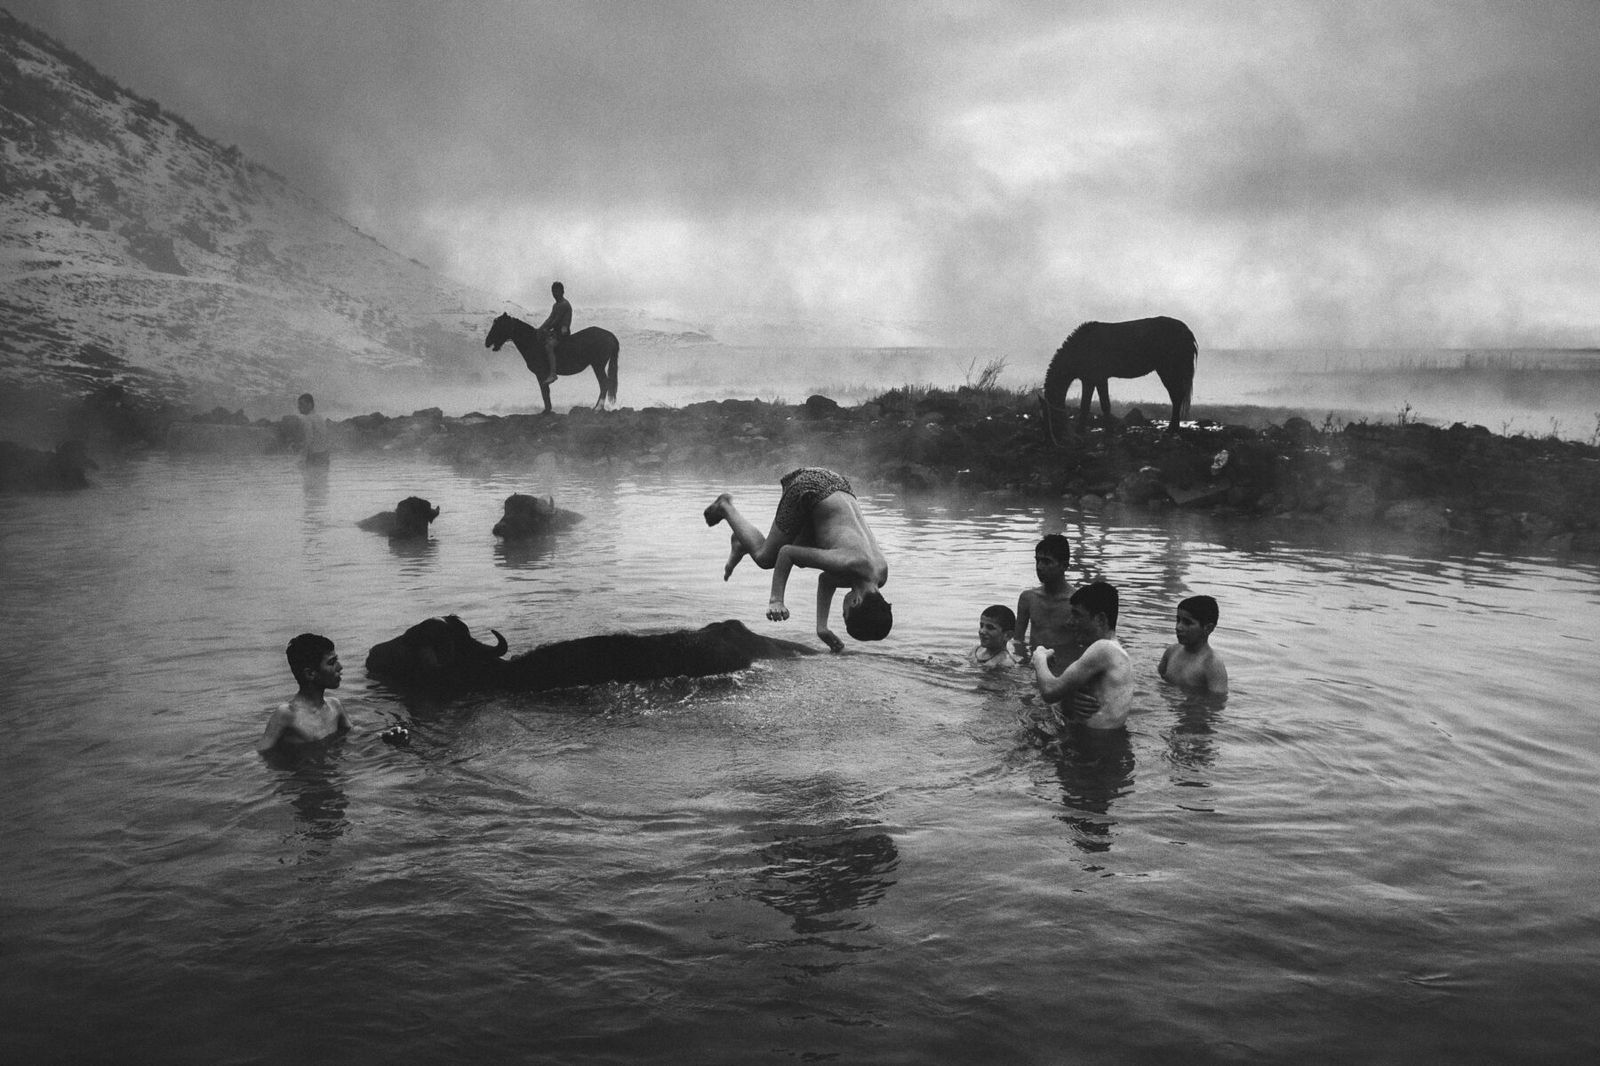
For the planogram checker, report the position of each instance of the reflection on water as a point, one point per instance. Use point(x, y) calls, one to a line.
point(856, 857)
point(528, 553)
point(1094, 768)
point(817, 875)
point(313, 782)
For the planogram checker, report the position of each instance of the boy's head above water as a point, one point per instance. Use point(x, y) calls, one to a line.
point(307, 403)
point(995, 626)
point(1202, 609)
point(312, 660)
point(1051, 556)
point(1197, 617)
point(1098, 599)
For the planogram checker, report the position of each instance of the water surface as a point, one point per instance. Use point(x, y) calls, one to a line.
point(1380, 848)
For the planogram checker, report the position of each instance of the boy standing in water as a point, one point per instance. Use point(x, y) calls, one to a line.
point(1191, 662)
point(818, 525)
point(314, 430)
point(1096, 691)
point(995, 627)
point(1048, 608)
point(310, 716)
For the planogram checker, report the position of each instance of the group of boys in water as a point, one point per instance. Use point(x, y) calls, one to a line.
point(819, 526)
point(1056, 625)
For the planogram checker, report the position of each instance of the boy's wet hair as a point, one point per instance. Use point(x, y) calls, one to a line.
point(306, 650)
point(1202, 609)
point(306, 401)
point(1056, 546)
point(1002, 616)
point(871, 619)
point(1098, 597)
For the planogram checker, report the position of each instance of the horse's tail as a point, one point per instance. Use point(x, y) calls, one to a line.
point(611, 368)
point(1183, 337)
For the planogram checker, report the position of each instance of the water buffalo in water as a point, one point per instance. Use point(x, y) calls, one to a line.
point(441, 654)
point(531, 516)
point(409, 519)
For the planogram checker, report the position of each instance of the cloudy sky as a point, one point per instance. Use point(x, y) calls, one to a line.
point(1299, 174)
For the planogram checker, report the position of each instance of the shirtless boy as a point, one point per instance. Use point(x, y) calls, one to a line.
point(995, 626)
point(310, 716)
point(1048, 608)
point(818, 526)
point(1096, 691)
point(1192, 663)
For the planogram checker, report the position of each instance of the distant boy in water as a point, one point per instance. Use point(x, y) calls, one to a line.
point(314, 430)
point(1096, 691)
point(1044, 614)
point(310, 716)
point(1192, 662)
point(818, 526)
point(995, 627)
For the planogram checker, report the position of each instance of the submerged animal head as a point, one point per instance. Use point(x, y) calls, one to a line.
point(528, 516)
point(412, 516)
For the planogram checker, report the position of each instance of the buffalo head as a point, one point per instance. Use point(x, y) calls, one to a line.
point(530, 516)
point(439, 652)
point(409, 518)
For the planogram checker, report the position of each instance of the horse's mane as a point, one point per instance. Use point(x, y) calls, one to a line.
point(1077, 334)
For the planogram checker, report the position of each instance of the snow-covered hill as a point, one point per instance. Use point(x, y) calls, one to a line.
point(134, 251)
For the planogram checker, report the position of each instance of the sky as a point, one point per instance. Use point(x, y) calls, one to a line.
point(1400, 173)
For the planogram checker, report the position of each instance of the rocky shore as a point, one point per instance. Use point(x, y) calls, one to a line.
point(1458, 483)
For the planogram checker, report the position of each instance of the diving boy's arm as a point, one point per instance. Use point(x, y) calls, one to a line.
point(825, 587)
point(834, 561)
point(777, 610)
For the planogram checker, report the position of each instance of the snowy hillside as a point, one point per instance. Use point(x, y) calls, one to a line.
point(134, 251)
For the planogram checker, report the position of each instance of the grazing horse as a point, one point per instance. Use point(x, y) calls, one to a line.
point(591, 347)
point(1098, 351)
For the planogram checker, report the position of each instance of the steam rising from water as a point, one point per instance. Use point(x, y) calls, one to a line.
point(1538, 392)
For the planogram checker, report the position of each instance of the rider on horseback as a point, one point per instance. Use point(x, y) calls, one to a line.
point(557, 327)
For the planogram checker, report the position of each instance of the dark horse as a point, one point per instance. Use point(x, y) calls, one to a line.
point(591, 347)
point(1098, 351)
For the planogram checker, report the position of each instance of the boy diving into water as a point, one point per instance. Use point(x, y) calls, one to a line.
point(818, 526)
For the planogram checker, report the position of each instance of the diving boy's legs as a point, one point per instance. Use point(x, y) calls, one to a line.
point(747, 539)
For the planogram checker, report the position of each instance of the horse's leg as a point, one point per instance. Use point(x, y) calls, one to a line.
point(611, 376)
point(1104, 388)
point(600, 376)
point(1083, 407)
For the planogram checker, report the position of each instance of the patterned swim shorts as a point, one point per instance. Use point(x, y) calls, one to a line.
point(803, 489)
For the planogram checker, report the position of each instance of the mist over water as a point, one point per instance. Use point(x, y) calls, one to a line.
point(1535, 392)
